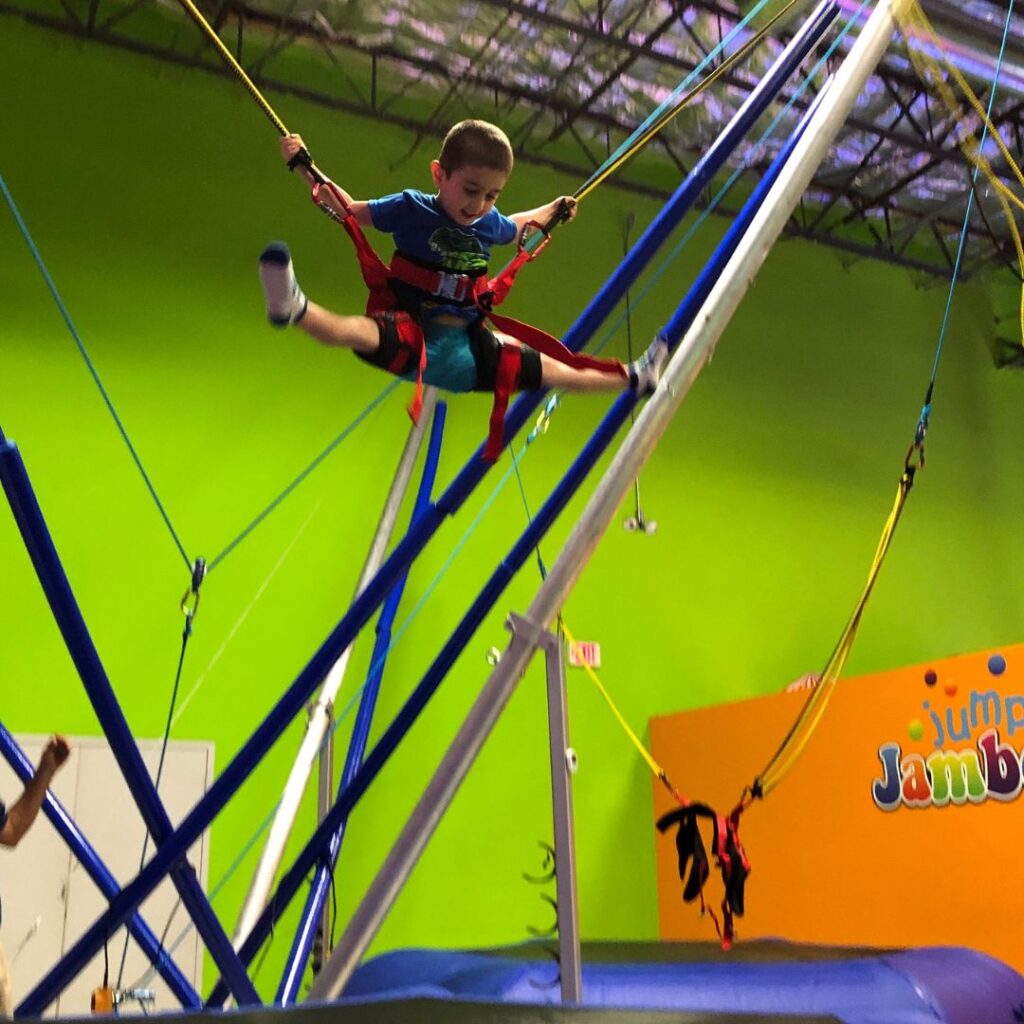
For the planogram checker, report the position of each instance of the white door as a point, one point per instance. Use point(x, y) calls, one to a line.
point(49, 900)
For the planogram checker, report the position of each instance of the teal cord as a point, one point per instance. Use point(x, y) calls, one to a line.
point(161, 508)
point(385, 393)
point(37, 256)
point(967, 212)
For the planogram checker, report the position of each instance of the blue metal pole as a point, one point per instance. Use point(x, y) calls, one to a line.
point(46, 562)
point(313, 910)
point(521, 551)
point(375, 593)
point(97, 871)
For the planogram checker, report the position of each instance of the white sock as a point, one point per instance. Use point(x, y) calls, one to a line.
point(285, 301)
point(645, 372)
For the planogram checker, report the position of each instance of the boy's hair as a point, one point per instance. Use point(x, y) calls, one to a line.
point(476, 144)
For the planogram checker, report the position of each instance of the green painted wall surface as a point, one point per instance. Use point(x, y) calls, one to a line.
point(150, 191)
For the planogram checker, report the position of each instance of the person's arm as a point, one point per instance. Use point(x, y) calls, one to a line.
point(290, 145)
point(545, 214)
point(21, 816)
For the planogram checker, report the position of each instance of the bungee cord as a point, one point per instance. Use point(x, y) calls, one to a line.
point(915, 25)
point(666, 262)
point(198, 568)
point(240, 620)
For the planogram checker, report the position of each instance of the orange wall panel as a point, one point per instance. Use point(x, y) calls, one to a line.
point(901, 824)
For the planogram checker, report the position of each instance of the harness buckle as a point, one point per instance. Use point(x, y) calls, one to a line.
point(449, 286)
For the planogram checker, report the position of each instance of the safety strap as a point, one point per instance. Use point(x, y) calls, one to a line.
point(374, 270)
point(510, 361)
point(544, 343)
point(469, 289)
point(413, 346)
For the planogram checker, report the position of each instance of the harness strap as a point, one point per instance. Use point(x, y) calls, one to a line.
point(374, 270)
point(488, 294)
point(469, 289)
point(544, 343)
point(730, 858)
point(510, 359)
point(410, 334)
point(458, 288)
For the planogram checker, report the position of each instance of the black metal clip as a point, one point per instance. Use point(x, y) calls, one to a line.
point(190, 599)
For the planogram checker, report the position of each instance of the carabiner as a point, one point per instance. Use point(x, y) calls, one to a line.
point(190, 599)
point(531, 256)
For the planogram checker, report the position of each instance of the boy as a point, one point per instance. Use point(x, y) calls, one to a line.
point(443, 244)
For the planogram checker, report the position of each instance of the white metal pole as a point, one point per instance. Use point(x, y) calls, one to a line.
point(321, 714)
point(692, 353)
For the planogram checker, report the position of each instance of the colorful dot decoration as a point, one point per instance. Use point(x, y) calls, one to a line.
point(997, 664)
point(931, 677)
point(915, 729)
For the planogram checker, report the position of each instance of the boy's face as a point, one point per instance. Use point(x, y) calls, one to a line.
point(468, 193)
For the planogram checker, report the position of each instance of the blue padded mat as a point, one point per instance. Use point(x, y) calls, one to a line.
point(917, 986)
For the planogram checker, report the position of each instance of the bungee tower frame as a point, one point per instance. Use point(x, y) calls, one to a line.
point(708, 307)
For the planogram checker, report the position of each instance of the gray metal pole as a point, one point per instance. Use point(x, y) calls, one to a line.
point(570, 969)
point(321, 714)
point(695, 349)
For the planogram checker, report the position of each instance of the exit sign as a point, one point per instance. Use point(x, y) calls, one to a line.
point(586, 652)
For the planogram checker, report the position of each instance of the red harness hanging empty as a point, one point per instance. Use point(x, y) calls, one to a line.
point(694, 869)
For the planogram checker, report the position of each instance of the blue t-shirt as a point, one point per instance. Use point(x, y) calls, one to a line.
point(424, 232)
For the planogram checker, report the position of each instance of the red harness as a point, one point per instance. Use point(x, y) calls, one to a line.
point(730, 858)
point(481, 291)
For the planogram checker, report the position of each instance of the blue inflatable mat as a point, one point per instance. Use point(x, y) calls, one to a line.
point(855, 986)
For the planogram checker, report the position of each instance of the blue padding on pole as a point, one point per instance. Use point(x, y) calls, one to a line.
point(530, 538)
point(46, 562)
point(918, 986)
point(288, 990)
point(97, 871)
point(292, 701)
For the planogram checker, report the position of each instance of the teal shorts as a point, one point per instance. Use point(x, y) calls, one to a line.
point(451, 365)
point(462, 357)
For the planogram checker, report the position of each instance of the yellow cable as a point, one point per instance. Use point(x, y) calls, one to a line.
point(644, 753)
point(799, 735)
point(197, 16)
point(915, 25)
point(641, 141)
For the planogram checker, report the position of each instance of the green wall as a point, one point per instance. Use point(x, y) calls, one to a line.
point(150, 191)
